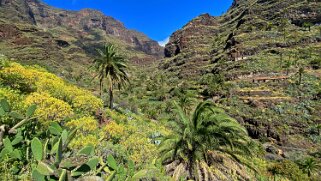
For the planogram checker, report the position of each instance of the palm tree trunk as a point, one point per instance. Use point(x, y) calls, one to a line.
point(111, 96)
point(101, 88)
point(287, 71)
point(190, 170)
point(190, 166)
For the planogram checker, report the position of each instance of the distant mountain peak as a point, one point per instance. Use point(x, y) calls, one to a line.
point(65, 40)
point(36, 12)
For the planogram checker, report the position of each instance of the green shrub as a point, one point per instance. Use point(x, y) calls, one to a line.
point(289, 170)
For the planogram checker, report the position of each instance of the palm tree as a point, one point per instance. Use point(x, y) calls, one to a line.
point(309, 165)
point(186, 102)
point(191, 150)
point(300, 72)
point(282, 25)
point(274, 172)
point(269, 26)
point(111, 66)
point(307, 25)
point(287, 65)
point(318, 128)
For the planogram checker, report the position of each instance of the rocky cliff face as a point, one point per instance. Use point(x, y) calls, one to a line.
point(17, 11)
point(194, 35)
point(65, 42)
point(186, 45)
point(87, 20)
point(82, 22)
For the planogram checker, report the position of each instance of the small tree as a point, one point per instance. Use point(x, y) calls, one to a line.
point(307, 25)
point(300, 73)
point(318, 128)
point(186, 101)
point(282, 25)
point(287, 65)
point(269, 26)
point(309, 166)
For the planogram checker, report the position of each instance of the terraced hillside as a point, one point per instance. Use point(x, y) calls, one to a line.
point(261, 60)
point(248, 28)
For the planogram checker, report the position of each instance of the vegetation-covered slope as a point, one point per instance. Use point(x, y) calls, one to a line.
point(260, 61)
point(129, 138)
point(124, 135)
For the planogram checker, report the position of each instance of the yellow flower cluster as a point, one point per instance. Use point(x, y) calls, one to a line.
point(116, 116)
point(53, 87)
point(82, 101)
point(86, 124)
point(140, 148)
point(49, 108)
point(82, 140)
point(87, 104)
point(113, 131)
point(87, 134)
point(13, 97)
point(18, 77)
point(35, 79)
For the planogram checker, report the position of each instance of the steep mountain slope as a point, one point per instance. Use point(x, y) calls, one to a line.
point(232, 35)
point(268, 53)
point(64, 41)
point(187, 44)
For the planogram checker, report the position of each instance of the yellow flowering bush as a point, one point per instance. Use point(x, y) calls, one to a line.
point(18, 77)
point(13, 97)
point(82, 140)
point(85, 124)
point(87, 104)
point(82, 101)
point(49, 108)
point(54, 87)
point(140, 149)
point(114, 131)
point(86, 135)
point(116, 116)
point(35, 79)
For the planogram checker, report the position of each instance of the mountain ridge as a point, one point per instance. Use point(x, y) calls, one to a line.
point(65, 41)
point(228, 24)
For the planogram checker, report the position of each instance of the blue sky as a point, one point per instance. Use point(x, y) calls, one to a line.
point(158, 19)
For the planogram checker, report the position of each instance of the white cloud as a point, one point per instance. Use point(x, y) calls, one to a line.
point(163, 42)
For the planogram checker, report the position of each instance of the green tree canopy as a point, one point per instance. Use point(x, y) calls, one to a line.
point(208, 128)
